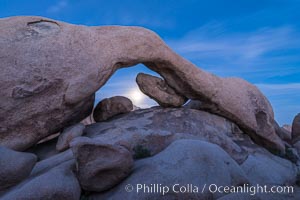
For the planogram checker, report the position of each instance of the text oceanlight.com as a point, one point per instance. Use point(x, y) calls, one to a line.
point(211, 188)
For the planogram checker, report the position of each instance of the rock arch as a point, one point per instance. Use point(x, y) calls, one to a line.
point(50, 71)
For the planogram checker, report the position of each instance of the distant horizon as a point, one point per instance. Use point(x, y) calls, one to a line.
point(255, 40)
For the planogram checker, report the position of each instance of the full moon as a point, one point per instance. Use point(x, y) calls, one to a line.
point(136, 96)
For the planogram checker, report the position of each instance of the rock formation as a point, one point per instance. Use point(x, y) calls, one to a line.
point(175, 144)
point(68, 135)
point(100, 166)
point(282, 133)
point(296, 128)
point(51, 84)
point(154, 129)
point(157, 89)
point(180, 163)
point(287, 127)
point(14, 167)
point(110, 107)
point(50, 71)
point(257, 168)
point(58, 182)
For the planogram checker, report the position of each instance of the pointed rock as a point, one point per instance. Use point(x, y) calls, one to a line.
point(157, 89)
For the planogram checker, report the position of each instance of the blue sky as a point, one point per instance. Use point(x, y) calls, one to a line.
point(257, 40)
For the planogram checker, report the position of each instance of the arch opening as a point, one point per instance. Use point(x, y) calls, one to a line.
point(122, 83)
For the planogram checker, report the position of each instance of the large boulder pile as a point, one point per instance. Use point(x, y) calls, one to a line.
point(156, 145)
point(225, 135)
point(186, 162)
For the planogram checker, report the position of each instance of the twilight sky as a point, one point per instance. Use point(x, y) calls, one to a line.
point(258, 40)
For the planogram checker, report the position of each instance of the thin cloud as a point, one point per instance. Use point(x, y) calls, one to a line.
point(59, 6)
point(287, 86)
point(125, 17)
point(281, 92)
point(213, 40)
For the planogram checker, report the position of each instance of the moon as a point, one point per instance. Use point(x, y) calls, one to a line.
point(136, 96)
